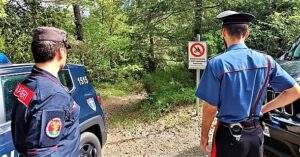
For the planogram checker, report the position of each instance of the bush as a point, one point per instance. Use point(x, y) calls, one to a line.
point(166, 88)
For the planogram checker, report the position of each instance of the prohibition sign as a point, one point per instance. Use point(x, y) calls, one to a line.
point(197, 50)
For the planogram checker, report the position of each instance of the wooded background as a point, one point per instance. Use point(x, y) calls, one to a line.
point(141, 45)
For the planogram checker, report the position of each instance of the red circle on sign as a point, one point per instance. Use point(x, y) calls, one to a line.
point(197, 50)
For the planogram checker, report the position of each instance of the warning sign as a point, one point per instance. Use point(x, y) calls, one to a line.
point(197, 55)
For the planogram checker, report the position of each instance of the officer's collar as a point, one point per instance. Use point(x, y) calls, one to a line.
point(37, 70)
point(236, 46)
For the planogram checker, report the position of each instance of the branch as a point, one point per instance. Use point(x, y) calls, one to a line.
point(162, 18)
point(21, 7)
point(265, 23)
point(212, 6)
point(166, 16)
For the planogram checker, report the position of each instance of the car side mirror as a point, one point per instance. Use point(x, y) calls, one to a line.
point(283, 57)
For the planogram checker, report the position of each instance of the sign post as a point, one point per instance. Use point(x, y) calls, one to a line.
point(197, 53)
point(197, 76)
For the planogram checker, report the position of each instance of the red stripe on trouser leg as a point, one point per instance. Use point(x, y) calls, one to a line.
point(214, 150)
point(214, 145)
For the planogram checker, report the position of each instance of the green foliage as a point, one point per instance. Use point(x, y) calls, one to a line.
point(158, 35)
point(131, 43)
point(21, 19)
point(2, 12)
point(168, 87)
point(2, 15)
point(121, 88)
point(105, 50)
point(276, 24)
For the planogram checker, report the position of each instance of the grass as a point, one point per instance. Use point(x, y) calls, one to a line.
point(134, 115)
point(108, 90)
point(166, 89)
point(127, 118)
point(121, 88)
point(178, 115)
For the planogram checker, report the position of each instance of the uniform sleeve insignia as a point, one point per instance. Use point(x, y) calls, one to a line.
point(53, 128)
point(24, 94)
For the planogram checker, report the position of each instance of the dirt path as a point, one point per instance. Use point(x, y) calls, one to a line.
point(176, 134)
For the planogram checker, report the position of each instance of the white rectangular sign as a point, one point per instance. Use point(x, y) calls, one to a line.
point(197, 52)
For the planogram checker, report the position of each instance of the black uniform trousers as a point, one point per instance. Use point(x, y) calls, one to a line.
point(250, 144)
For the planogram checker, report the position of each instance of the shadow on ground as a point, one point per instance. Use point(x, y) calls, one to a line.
point(124, 111)
point(114, 105)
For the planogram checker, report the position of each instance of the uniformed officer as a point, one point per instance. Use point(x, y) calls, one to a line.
point(233, 87)
point(45, 118)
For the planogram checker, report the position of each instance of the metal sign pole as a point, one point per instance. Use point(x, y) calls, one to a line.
point(197, 82)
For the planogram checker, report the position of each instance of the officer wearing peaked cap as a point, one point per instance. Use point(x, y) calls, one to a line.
point(45, 118)
point(233, 87)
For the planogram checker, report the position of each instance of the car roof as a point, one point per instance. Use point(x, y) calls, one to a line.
point(15, 65)
point(25, 67)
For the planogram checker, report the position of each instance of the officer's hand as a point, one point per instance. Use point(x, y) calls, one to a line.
point(204, 145)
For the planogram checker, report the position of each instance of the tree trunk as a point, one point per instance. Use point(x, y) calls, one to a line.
point(198, 17)
point(152, 65)
point(78, 24)
point(197, 26)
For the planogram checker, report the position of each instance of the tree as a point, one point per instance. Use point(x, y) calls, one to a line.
point(128, 38)
point(78, 19)
point(2, 15)
point(156, 24)
point(275, 26)
point(21, 19)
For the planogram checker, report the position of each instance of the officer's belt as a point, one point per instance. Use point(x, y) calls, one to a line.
point(247, 124)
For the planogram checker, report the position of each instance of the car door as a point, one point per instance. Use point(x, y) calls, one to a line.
point(8, 84)
point(84, 93)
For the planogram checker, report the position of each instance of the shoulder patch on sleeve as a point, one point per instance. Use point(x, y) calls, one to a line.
point(53, 127)
point(24, 94)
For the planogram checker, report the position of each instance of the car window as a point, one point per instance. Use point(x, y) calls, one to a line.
point(8, 84)
point(65, 79)
point(295, 50)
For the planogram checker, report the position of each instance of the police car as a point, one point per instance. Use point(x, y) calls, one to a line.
point(282, 132)
point(75, 79)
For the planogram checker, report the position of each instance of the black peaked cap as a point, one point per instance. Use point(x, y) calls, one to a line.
point(233, 17)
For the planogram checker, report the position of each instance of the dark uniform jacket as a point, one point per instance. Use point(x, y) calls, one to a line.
point(45, 118)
